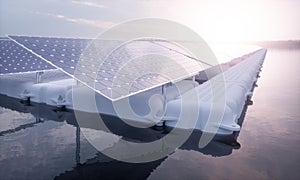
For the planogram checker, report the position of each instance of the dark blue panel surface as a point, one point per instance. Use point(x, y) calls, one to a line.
point(62, 52)
point(16, 59)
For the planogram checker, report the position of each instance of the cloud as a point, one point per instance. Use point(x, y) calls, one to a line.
point(99, 24)
point(83, 21)
point(88, 3)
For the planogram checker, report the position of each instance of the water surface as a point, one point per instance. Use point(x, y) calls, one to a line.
point(37, 142)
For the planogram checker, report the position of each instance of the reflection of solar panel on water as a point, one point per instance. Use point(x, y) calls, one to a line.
point(131, 70)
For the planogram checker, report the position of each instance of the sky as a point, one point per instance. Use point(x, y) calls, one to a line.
point(213, 20)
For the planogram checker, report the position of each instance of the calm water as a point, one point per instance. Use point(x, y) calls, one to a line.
point(39, 143)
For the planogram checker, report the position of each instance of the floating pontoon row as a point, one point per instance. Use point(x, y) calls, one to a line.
point(153, 98)
point(238, 81)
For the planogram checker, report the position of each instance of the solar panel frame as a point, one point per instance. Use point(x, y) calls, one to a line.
point(104, 87)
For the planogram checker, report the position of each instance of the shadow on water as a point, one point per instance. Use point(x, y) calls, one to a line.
point(100, 165)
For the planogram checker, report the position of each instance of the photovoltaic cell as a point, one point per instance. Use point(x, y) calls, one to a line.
point(16, 59)
point(131, 68)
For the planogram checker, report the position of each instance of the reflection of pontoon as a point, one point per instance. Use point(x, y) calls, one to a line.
point(43, 113)
point(98, 164)
point(150, 84)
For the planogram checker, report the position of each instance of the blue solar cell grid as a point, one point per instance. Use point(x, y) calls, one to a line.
point(62, 52)
point(16, 59)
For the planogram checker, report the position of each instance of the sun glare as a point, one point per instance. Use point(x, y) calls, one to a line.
point(225, 21)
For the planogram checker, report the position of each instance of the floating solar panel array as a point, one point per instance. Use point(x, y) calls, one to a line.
point(16, 59)
point(129, 69)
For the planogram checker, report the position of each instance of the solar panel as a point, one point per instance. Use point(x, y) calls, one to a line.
point(142, 66)
point(178, 49)
point(16, 59)
point(132, 68)
point(61, 52)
